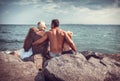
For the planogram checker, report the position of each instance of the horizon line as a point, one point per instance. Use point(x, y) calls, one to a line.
point(61, 24)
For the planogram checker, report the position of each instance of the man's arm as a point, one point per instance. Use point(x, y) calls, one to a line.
point(70, 42)
point(41, 40)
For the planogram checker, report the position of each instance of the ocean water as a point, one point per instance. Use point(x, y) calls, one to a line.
point(98, 38)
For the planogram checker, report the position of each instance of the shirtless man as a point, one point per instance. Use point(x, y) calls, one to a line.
point(56, 37)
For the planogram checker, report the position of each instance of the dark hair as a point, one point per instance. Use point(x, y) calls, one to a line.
point(55, 22)
point(38, 23)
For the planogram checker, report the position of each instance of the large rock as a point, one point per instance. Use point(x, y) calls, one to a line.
point(80, 68)
point(14, 69)
point(85, 66)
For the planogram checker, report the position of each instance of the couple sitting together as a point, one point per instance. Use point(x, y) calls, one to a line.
point(45, 45)
point(60, 42)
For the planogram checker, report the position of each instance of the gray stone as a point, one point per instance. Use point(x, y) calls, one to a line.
point(14, 69)
point(85, 66)
point(78, 68)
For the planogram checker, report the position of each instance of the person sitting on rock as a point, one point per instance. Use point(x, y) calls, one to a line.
point(34, 35)
point(56, 37)
point(40, 50)
point(66, 48)
point(35, 53)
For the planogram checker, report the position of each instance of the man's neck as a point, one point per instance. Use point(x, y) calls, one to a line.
point(55, 27)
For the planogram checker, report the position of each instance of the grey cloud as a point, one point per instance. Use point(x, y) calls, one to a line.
point(91, 4)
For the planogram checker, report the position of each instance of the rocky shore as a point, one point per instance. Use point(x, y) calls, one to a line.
point(85, 66)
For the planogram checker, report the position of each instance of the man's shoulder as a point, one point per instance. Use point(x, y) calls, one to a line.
point(58, 30)
point(62, 31)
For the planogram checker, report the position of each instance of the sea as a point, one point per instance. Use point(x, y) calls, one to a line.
point(98, 38)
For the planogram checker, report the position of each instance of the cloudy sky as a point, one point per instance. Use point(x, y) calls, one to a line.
point(67, 11)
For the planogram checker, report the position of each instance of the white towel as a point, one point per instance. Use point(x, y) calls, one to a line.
point(24, 54)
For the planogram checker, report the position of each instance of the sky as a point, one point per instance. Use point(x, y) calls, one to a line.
point(67, 11)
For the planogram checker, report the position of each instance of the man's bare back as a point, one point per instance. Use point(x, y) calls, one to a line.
point(56, 37)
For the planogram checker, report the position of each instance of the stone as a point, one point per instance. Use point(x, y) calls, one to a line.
point(14, 69)
point(78, 68)
point(85, 66)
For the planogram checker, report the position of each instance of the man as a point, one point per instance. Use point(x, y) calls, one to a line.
point(56, 37)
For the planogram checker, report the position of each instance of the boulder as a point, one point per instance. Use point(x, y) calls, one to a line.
point(13, 68)
point(79, 68)
point(85, 66)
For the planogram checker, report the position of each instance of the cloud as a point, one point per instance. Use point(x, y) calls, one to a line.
point(68, 11)
point(50, 7)
point(91, 4)
point(104, 16)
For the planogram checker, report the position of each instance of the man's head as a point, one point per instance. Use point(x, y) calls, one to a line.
point(41, 25)
point(55, 23)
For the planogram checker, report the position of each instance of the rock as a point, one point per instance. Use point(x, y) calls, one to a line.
point(14, 69)
point(77, 68)
point(37, 59)
point(85, 66)
point(89, 54)
point(114, 56)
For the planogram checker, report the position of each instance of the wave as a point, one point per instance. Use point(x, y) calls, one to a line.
point(4, 32)
point(11, 41)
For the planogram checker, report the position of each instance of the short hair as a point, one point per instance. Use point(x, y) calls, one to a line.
point(55, 22)
point(42, 25)
point(41, 22)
